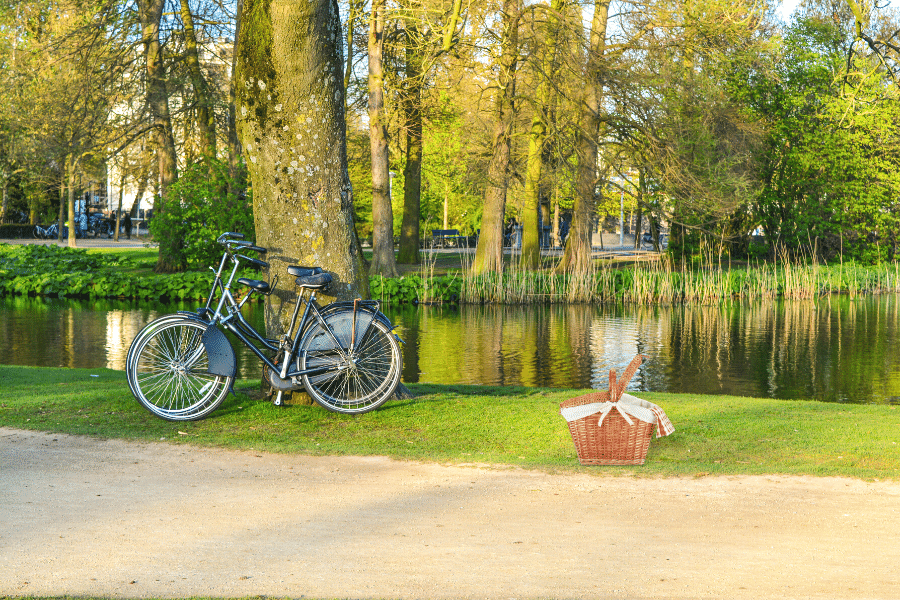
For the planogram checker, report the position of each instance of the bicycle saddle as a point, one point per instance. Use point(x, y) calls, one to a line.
point(259, 286)
point(298, 271)
point(314, 281)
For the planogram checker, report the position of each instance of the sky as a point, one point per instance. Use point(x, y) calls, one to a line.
point(787, 7)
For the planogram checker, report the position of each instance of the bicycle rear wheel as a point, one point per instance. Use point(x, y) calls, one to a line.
point(354, 381)
point(167, 372)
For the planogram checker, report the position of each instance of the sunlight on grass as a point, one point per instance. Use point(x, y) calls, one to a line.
point(477, 424)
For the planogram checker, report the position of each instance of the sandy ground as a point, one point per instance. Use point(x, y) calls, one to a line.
point(80, 516)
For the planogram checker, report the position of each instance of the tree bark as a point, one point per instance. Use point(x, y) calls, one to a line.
point(206, 118)
point(62, 203)
point(489, 252)
point(537, 138)
point(290, 108)
point(5, 197)
point(171, 255)
point(408, 252)
point(577, 256)
point(383, 261)
point(71, 166)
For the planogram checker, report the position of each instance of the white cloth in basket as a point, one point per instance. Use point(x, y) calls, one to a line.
point(627, 405)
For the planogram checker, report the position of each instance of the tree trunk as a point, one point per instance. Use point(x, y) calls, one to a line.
point(171, 253)
point(383, 261)
point(291, 125)
point(489, 252)
point(62, 204)
point(577, 256)
point(5, 198)
point(141, 188)
point(412, 172)
point(537, 137)
point(71, 166)
point(206, 118)
point(237, 171)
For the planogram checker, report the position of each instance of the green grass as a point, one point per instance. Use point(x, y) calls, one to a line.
point(721, 435)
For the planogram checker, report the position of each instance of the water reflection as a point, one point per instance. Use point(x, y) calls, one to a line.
point(835, 349)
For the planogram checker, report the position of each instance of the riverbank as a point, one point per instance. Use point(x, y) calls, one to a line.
point(49, 270)
point(715, 435)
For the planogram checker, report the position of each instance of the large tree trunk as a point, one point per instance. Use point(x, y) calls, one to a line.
point(537, 137)
point(290, 110)
point(171, 254)
point(206, 118)
point(489, 253)
point(577, 256)
point(383, 261)
point(412, 172)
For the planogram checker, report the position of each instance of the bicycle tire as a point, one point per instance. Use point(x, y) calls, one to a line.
point(168, 372)
point(144, 333)
point(356, 383)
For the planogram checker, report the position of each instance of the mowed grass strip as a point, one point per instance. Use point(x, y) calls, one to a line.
point(455, 424)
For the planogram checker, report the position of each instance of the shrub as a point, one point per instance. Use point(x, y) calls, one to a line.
point(198, 209)
point(14, 231)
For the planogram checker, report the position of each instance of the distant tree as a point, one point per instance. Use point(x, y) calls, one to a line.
point(383, 260)
point(489, 253)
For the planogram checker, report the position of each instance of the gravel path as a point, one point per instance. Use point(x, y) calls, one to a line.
point(80, 516)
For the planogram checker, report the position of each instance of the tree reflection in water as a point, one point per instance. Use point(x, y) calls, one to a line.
point(834, 349)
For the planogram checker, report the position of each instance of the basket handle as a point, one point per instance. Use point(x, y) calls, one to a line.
point(616, 391)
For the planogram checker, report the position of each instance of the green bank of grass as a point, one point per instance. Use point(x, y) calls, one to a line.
point(720, 435)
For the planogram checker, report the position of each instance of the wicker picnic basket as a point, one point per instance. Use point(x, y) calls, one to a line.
point(615, 442)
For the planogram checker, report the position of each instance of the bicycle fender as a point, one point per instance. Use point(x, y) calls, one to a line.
point(221, 355)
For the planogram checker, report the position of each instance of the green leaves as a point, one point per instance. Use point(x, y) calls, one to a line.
point(66, 272)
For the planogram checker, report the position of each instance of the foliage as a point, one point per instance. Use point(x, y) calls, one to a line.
point(39, 270)
point(14, 231)
point(484, 424)
point(200, 209)
point(832, 168)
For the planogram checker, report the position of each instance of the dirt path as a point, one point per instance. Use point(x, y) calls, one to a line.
point(85, 517)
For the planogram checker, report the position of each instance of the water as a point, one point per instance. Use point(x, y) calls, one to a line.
point(836, 349)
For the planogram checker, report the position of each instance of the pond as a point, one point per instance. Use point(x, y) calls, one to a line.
point(836, 349)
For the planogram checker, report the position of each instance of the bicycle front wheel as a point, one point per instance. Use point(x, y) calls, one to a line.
point(142, 336)
point(360, 370)
point(168, 372)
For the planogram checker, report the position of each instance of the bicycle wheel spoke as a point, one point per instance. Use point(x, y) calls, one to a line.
point(168, 371)
point(356, 382)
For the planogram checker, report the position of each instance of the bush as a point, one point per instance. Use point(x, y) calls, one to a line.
point(15, 231)
point(198, 210)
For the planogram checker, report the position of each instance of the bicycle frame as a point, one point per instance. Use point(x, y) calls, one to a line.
point(235, 323)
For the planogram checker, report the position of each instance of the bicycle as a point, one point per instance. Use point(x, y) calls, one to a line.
point(344, 355)
point(49, 232)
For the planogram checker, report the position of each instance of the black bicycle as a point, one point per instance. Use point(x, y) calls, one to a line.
point(345, 355)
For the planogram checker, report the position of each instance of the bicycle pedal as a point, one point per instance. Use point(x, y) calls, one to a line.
point(279, 399)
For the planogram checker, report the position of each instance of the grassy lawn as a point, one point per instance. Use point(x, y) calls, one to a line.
point(455, 424)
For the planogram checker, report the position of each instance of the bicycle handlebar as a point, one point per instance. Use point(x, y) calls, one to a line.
point(229, 234)
point(254, 261)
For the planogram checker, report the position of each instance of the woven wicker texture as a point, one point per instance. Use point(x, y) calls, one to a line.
point(616, 442)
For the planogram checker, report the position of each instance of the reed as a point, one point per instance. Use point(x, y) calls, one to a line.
point(707, 281)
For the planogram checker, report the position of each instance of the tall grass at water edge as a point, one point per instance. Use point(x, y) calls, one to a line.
point(663, 282)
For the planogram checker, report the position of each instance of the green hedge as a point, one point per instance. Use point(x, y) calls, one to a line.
point(38, 270)
point(13, 231)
